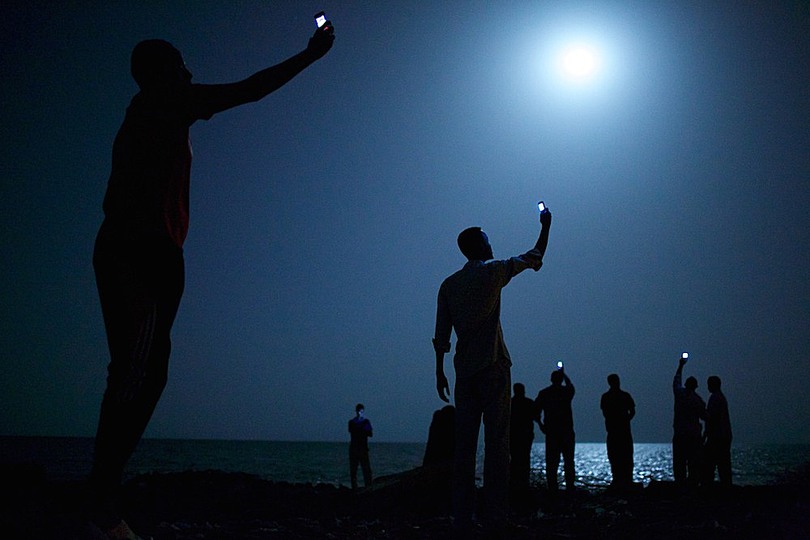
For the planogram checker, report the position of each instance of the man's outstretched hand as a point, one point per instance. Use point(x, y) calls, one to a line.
point(443, 387)
point(321, 41)
point(545, 218)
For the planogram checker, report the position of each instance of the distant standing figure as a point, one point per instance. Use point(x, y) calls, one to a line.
point(521, 436)
point(718, 434)
point(138, 256)
point(687, 447)
point(360, 431)
point(556, 420)
point(618, 408)
point(469, 302)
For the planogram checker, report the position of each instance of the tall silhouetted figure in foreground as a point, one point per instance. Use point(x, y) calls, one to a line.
point(687, 444)
point(138, 256)
point(618, 408)
point(718, 435)
point(556, 420)
point(359, 430)
point(469, 302)
point(521, 436)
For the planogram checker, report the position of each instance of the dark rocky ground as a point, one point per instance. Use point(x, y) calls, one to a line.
point(411, 505)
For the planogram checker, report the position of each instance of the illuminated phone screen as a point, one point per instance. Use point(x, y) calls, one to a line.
point(320, 19)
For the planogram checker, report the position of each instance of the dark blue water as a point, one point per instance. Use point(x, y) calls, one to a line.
point(327, 462)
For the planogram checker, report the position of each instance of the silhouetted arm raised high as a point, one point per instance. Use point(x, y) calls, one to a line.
point(209, 99)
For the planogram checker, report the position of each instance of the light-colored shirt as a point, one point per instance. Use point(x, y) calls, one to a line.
point(469, 302)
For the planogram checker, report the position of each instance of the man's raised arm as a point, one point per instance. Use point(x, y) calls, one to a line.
point(536, 254)
point(210, 99)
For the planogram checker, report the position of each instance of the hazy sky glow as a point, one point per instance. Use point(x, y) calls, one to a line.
point(324, 218)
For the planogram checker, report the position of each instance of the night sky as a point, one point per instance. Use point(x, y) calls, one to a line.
point(324, 218)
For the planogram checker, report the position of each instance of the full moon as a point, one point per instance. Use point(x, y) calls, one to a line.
point(579, 62)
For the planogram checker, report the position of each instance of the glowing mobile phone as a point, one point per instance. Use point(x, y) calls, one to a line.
point(320, 18)
point(542, 207)
point(559, 364)
point(685, 356)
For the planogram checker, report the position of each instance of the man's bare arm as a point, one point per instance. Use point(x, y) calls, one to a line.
point(215, 98)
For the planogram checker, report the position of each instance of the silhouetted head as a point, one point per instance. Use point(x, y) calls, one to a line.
point(520, 390)
point(613, 381)
point(691, 383)
point(556, 377)
point(157, 65)
point(713, 384)
point(474, 244)
point(359, 408)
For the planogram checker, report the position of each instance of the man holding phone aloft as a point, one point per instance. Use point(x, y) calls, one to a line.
point(469, 302)
point(138, 256)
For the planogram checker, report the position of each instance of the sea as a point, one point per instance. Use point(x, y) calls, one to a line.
point(69, 458)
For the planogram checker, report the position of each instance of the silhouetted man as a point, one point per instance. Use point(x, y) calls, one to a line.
point(138, 256)
point(687, 448)
point(618, 408)
point(718, 434)
point(469, 302)
point(360, 431)
point(521, 436)
point(556, 420)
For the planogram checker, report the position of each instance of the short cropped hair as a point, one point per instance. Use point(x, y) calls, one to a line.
point(151, 60)
point(471, 241)
point(359, 407)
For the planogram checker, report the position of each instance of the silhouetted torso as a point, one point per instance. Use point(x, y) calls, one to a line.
point(555, 402)
point(689, 409)
point(521, 427)
point(360, 431)
point(617, 407)
point(148, 189)
point(718, 423)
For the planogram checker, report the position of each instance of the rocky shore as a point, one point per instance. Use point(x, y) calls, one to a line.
point(410, 505)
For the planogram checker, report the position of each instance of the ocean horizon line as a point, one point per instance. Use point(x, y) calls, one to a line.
point(371, 442)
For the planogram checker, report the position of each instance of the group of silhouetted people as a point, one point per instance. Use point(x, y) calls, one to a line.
point(698, 453)
point(551, 410)
point(139, 266)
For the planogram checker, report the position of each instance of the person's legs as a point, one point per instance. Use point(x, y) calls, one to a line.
point(709, 462)
point(519, 463)
point(678, 460)
point(140, 287)
point(366, 464)
point(468, 423)
point(354, 461)
point(568, 461)
point(613, 454)
point(724, 463)
point(552, 461)
point(496, 445)
point(626, 460)
point(694, 461)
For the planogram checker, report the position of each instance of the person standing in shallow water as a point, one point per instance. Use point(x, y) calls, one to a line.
point(718, 435)
point(359, 431)
point(618, 408)
point(138, 256)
